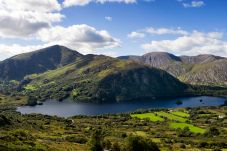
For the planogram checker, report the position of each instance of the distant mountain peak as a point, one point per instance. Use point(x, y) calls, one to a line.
point(158, 53)
point(161, 55)
point(38, 61)
point(51, 49)
point(57, 47)
point(202, 58)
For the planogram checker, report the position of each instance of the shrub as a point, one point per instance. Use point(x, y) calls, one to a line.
point(182, 146)
point(22, 135)
point(203, 144)
point(212, 132)
point(107, 144)
point(124, 135)
point(216, 149)
point(135, 143)
point(115, 147)
point(76, 139)
point(4, 120)
point(96, 142)
point(225, 103)
point(185, 132)
point(178, 102)
point(32, 101)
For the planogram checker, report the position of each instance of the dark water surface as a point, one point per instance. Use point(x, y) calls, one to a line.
point(69, 108)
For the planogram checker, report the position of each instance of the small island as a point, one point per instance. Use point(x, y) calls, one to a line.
point(179, 102)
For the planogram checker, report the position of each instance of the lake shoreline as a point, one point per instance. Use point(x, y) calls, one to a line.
point(69, 108)
point(132, 100)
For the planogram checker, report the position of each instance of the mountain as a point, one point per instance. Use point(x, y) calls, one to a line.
point(17, 67)
point(103, 79)
point(131, 57)
point(201, 69)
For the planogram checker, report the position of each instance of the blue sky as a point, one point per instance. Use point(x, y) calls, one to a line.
point(117, 27)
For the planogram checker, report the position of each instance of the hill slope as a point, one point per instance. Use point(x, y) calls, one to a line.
point(17, 67)
point(201, 69)
point(103, 79)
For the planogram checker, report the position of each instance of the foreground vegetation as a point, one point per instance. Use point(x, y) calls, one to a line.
point(60, 73)
point(178, 129)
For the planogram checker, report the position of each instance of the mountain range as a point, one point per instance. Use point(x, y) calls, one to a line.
point(58, 73)
point(202, 69)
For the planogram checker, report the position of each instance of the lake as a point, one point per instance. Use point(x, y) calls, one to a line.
point(69, 108)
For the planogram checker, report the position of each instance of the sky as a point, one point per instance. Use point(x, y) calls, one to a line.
point(114, 27)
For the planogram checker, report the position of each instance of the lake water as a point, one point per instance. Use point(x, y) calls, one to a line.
point(68, 108)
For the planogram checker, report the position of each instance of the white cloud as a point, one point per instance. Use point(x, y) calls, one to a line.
point(136, 35)
point(69, 3)
point(157, 31)
point(116, 1)
point(193, 44)
point(24, 18)
point(83, 38)
point(217, 35)
point(80, 37)
point(22, 24)
point(149, 0)
point(108, 18)
point(30, 5)
point(194, 4)
point(163, 31)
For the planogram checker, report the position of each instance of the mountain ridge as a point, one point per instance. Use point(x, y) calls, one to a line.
point(60, 73)
point(201, 69)
point(19, 66)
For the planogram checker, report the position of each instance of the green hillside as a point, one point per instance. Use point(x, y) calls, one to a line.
point(102, 79)
point(17, 67)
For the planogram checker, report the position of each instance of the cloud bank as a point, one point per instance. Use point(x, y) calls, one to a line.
point(69, 3)
point(194, 4)
point(156, 31)
point(24, 18)
point(193, 44)
point(80, 37)
point(36, 20)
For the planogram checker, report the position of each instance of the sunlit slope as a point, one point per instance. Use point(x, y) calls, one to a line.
point(39, 61)
point(101, 78)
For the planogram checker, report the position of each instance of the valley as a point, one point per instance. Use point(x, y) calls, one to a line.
point(61, 73)
point(201, 128)
point(113, 75)
point(92, 102)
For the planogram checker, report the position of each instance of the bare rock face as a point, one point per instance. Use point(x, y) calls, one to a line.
point(200, 59)
point(213, 73)
point(202, 69)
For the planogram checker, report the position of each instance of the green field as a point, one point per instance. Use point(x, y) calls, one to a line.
point(30, 87)
point(150, 116)
point(204, 115)
point(12, 101)
point(164, 128)
point(179, 113)
point(171, 116)
point(41, 132)
point(192, 128)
